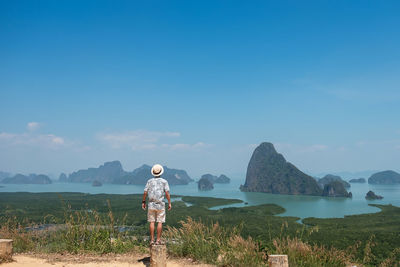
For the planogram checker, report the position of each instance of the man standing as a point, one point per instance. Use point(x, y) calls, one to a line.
point(155, 189)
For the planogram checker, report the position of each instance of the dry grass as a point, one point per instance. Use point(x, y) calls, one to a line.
point(304, 254)
point(213, 244)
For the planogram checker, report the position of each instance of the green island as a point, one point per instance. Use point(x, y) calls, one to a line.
point(79, 222)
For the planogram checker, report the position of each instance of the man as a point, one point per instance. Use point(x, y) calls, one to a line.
point(155, 189)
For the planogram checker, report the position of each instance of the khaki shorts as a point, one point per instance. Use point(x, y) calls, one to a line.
point(156, 215)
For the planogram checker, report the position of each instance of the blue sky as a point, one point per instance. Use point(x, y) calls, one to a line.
point(198, 84)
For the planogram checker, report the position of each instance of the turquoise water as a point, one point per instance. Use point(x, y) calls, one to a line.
point(299, 206)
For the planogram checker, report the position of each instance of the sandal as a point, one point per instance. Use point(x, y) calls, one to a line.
point(159, 242)
point(152, 242)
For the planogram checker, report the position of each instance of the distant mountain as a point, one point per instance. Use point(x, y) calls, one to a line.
point(269, 172)
point(4, 175)
point(335, 189)
point(346, 175)
point(63, 178)
point(204, 184)
point(105, 173)
point(222, 179)
point(329, 178)
point(30, 179)
point(385, 177)
point(358, 180)
point(113, 173)
point(140, 176)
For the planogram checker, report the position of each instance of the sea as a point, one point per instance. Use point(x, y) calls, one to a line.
point(298, 206)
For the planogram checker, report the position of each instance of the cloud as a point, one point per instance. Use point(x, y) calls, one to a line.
point(34, 140)
point(139, 139)
point(393, 143)
point(32, 126)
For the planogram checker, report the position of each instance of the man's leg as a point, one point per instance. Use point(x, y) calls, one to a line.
point(152, 231)
point(159, 230)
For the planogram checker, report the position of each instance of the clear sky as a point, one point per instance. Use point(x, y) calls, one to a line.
point(196, 85)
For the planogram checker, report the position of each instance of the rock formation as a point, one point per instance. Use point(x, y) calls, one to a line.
point(30, 179)
point(359, 180)
point(204, 184)
point(222, 179)
point(372, 196)
point(335, 189)
point(329, 178)
point(269, 172)
point(63, 178)
point(140, 176)
point(112, 172)
point(385, 177)
point(105, 173)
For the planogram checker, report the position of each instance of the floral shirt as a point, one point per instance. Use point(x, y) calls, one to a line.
point(155, 188)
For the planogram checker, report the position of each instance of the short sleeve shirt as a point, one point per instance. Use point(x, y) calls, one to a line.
point(155, 188)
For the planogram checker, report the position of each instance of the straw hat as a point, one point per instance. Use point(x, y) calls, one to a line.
point(157, 170)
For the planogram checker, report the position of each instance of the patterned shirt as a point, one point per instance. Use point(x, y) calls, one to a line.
point(155, 189)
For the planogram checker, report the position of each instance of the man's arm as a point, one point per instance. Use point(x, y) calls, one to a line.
point(144, 200)
point(169, 200)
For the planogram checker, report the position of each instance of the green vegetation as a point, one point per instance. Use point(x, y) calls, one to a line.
point(209, 202)
point(116, 223)
point(82, 231)
point(375, 233)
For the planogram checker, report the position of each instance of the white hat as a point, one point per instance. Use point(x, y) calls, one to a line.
point(157, 170)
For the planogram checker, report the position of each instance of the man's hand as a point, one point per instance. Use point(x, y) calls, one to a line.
point(169, 206)
point(144, 200)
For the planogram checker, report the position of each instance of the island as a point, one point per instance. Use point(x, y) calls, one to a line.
point(329, 178)
point(372, 196)
point(113, 173)
point(222, 179)
point(27, 179)
point(269, 172)
point(335, 189)
point(358, 180)
point(204, 184)
point(96, 183)
point(385, 177)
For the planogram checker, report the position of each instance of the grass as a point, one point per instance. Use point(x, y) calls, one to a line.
point(209, 202)
point(214, 244)
point(82, 231)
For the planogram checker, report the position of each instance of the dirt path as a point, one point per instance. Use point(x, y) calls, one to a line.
point(59, 260)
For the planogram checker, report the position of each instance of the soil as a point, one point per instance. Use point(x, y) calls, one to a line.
point(109, 260)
